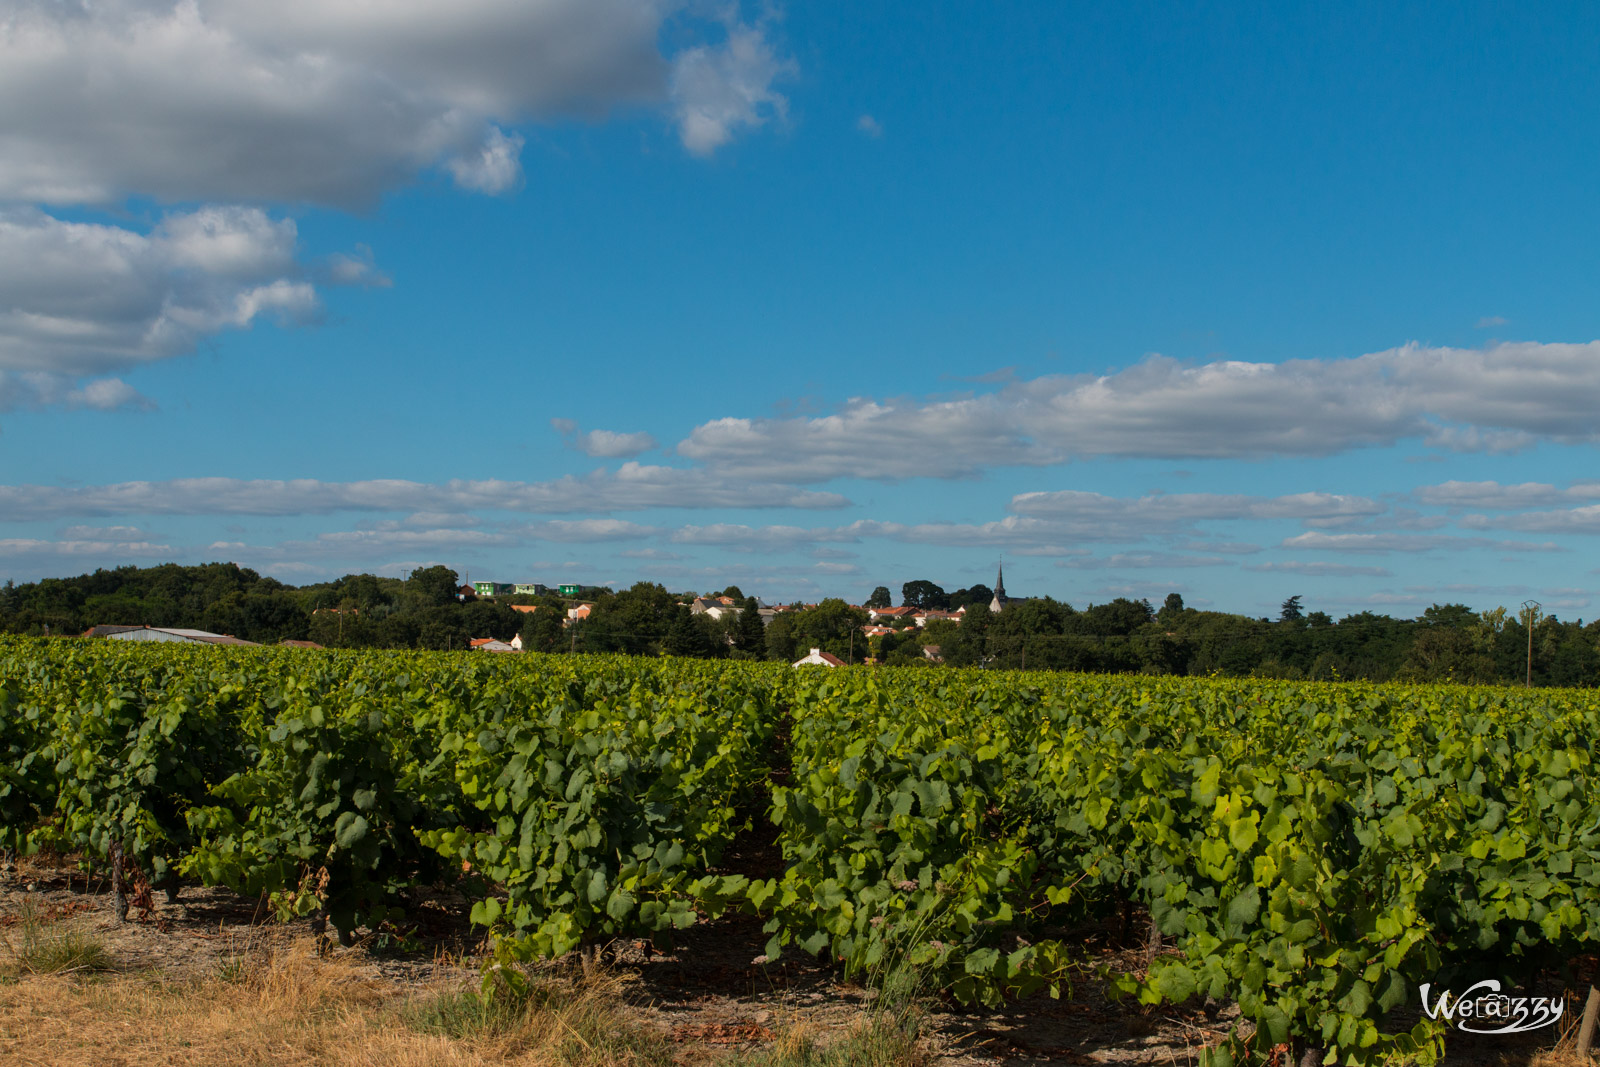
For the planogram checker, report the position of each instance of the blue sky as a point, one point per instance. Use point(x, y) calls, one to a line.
point(808, 298)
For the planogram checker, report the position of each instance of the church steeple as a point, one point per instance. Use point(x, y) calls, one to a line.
point(999, 600)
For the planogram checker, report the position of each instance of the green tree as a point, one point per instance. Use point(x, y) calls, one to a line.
point(880, 598)
point(832, 626)
point(923, 594)
point(688, 636)
point(1290, 611)
point(542, 630)
point(780, 638)
point(634, 621)
point(1171, 609)
point(1119, 617)
point(977, 593)
point(433, 586)
point(751, 634)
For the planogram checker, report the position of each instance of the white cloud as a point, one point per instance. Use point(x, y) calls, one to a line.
point(1399, 542)
point(104, 533)
point(1489, 322)
point(742, 538)
point(604, 444)
point(1167, 508)
point(358, 269)
point(494, 167)
point(335, 101)
point(1584, 520)
point(632, 487)
point(1493, 496)
point(11, 547)
point(870, 126)
point(1495, 398)
point(717, 89)
point(80, 299)
point(36, 389)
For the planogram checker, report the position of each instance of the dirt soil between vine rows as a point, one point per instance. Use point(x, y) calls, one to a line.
point(707, 995)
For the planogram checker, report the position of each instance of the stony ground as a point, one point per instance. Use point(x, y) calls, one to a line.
point(707, 994)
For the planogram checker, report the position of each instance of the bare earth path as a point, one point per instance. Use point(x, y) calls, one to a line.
point(707, 995)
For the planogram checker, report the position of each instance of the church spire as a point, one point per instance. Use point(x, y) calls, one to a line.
point(999, 600)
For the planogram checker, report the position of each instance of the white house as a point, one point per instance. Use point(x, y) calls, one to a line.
point(819, 658)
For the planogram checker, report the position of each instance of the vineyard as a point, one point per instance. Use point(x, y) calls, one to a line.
point(1311, 852)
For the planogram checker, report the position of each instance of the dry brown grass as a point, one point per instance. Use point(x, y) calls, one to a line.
point(1564, 1053)
point(277, 1009)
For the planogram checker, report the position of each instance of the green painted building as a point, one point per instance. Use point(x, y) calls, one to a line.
point(570, 590)
point(493, 588)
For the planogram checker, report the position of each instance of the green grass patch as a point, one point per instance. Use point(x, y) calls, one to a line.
point(38, 945)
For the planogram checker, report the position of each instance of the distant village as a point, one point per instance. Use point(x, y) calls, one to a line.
point(433, 608)
point(882, 620)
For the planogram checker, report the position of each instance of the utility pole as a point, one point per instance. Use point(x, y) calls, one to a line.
point(1530, 613)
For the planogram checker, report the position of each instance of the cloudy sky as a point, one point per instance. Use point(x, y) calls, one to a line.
point(808, 297)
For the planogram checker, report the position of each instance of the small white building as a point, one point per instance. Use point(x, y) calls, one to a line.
point(819, 658)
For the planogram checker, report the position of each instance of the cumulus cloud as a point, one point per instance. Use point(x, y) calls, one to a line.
point(494, 167)
point(82, 299)
point(604, 444)
point(36, 389)
point(335, 101)
point(633, 486)
point(718, 89)
point(328, 102)
point(1499, 397)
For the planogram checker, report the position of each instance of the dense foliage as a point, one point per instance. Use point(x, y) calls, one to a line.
point(1445, 643)
point(1311, 851)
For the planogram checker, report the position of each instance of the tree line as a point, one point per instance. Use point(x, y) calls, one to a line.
point(1448, 642)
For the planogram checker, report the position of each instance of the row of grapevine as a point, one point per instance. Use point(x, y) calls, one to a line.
point(588, 795)
point(1312, 852)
